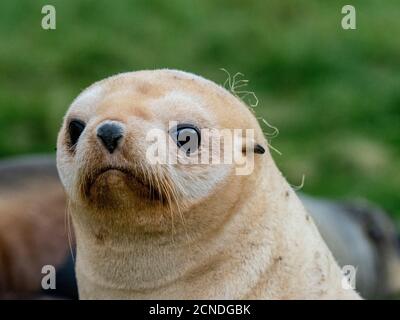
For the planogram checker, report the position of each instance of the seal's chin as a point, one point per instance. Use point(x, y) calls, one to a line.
point(115, 186)
point(111, 179)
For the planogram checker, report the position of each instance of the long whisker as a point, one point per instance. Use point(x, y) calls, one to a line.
point(68, 230)
point(163, 185)
point(175, 195)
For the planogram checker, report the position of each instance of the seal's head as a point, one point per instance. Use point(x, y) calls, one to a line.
point(104, 149)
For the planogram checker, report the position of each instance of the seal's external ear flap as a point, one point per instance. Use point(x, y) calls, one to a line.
point(251, 145)
point(259, 149)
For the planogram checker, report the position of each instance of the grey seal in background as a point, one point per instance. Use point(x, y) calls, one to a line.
point(362, 235)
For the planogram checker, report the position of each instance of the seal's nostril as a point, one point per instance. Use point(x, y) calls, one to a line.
point(110, 134)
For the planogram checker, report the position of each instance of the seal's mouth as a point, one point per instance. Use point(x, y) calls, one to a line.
point(111, 179)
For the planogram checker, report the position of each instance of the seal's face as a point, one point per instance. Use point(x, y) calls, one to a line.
point(103, 146)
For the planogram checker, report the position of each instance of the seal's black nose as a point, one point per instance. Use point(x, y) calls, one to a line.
point(110, 134)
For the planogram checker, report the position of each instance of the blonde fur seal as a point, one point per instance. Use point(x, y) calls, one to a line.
point(182, 231)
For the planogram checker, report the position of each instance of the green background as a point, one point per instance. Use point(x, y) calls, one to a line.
point(334, 94)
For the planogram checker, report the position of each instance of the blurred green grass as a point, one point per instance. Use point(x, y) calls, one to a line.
point(334, 94)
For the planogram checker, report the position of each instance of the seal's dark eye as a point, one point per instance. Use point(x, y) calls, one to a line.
point(187, 137)
point(75, 130)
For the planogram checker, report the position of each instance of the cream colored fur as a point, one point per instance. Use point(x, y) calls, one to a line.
point(226, 237)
